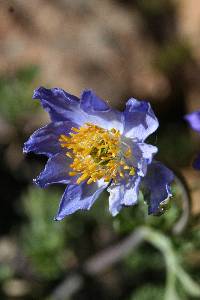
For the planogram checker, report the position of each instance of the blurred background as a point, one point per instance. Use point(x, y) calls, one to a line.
point(121, 49)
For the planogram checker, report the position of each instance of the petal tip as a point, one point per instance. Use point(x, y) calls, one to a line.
point(57, 218)
point(25, 148)
point(140, 120)
point(38, 181)
point(114, 213)
point(85, 91)
point(37, 91)
point(91, 102)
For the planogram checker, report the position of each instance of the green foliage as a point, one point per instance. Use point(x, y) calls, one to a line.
point(43, 239)
point(177, 279)
point(16, 93)
point(148, 292)
point(144, 258)
point(6, 272)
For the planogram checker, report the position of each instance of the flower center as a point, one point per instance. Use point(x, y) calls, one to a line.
point(97, 153)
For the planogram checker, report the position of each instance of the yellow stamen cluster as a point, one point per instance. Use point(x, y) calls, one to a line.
point(96, 154)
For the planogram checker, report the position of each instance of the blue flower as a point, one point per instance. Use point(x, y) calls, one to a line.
point(92, 147)
point(194, 120)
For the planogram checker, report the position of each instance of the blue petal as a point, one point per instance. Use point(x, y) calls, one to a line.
point(46, 139)
point(142, 155)
point(56, 171)
point(140, 120)
point(157, 185)
point(60, 105)
point(79, 196)
point(90, 103)
point(194, 120)
point(123, 194)
point(196, 163)
point(99, 113)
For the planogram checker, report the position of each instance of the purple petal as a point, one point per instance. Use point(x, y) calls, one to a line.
point(60, 105)
point(46, 139)
point(157, 185)
point(56, 171)
point(99, 113)
point(78, 197)
point(139, 120)
point(196, 163)
point(90, 103)
point(124, 194)
point(142, 155)
point(194, 120)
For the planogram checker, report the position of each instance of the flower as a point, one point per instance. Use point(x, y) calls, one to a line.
point(92, 147)
point(194, 120)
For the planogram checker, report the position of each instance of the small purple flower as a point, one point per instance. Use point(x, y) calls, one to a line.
point(194, 120)
point(92, 147)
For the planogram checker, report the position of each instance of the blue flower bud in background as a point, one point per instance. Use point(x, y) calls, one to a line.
point(194, 121)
